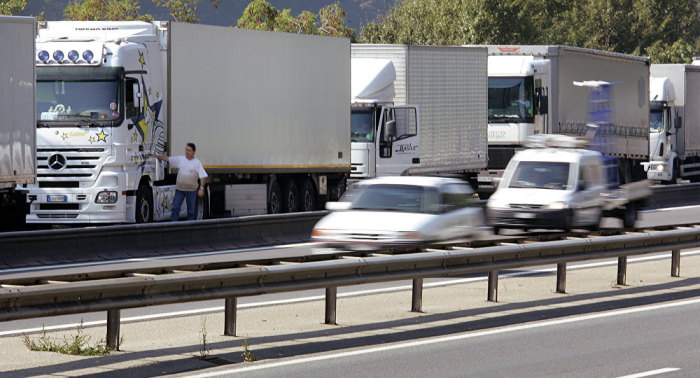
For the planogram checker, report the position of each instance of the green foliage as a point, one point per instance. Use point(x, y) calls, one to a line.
point(665, 30)
point(77, 346)
point(105, 10)
point(248, 356)
point(204, 351)
point(12, 7)
point(330, 21)
point(184, 10)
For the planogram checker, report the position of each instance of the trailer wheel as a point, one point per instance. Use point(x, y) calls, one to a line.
point(290, 197)
point(307, 198)
point(144, 205)
point(274, 202)
point(629, 217)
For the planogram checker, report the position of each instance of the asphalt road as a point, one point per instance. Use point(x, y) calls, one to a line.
point(656, 340)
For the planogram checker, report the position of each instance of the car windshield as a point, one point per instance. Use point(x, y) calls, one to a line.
point(510, 99)
point(72, 95)
point(656, 121)
point(540, 175)
point(391, 197)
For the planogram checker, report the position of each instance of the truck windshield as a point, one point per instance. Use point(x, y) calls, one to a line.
point(656, 121)
point(541, 175)
point(391, 197)
point(362, 130)
point(90, 94)
point(510, 99)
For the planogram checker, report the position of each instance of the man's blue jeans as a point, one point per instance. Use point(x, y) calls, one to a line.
point(180, 196)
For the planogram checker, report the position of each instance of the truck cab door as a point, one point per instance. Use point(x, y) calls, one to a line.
point(542, 83)
point(398, 140)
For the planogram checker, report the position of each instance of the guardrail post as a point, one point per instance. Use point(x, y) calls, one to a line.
point(331, 299)
point(230, 316)
point(417, 301)
point(561, 278)
point(622, 270)
point(113, 320)
point(676, 263)
point(493, 286)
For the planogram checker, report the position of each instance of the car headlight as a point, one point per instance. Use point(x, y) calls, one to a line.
point(320, 233)
point(558, 206)
point(497, 204)
point(410, 235)
point(106, 197)
point(661, 167)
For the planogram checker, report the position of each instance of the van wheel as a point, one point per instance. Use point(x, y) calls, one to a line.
point(290, 197)
point(629, 218)
point(307, 196)
point(568, 222)
point(144, 205)
point(274, 202)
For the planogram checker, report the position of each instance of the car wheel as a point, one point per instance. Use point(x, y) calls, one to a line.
point(144, 205)
point(274, 203)
point(568, 222)
point(307, 196)
point(629, 217)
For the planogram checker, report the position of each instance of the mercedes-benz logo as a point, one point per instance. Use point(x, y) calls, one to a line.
point(57, 162)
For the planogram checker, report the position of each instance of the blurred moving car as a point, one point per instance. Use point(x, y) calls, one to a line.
point(400, 212)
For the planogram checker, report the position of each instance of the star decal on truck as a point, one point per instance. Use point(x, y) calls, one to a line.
point(101, 136)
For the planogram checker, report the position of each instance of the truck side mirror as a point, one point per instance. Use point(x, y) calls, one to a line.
point(137, 95)
point(542, 104)
point(390, 129)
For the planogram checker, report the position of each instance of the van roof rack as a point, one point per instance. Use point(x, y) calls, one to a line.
point(555, 141)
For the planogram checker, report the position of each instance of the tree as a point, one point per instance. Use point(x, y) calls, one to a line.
point(12, 7)
point(184, 10)
point(105, 10)
point(330, 21)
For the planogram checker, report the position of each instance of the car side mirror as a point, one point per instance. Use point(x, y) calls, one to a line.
point(338, 206)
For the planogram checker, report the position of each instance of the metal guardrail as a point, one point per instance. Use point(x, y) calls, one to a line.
point(137, 240)
point(674, 195)
point(114, 294)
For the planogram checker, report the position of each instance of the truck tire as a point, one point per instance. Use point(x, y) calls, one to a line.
point(307, 196)
point(629, 217)
point(201, 208)
point(274, 201)
point(144, 205)
point(290, 197)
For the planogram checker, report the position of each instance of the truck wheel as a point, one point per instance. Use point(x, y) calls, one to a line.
point(629, 218)
point(274, 203)
point(201, 208)
point(144, 205)
point(307, 198)
point(290, 197)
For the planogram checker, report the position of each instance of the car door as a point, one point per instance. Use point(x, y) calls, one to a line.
point(460, 214)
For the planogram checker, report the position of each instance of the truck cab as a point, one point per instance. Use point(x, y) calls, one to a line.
point(663, 130)
point(554, 184)
point(385, 138)
point(517, 109)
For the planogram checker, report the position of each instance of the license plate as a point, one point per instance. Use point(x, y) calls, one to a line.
point(484, 179)
point(525, 215)
point(57, 198)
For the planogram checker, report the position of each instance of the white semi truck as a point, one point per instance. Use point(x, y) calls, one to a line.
point(268, 112)
point(17, 118)
point(674, 123)
point(531, 92)
point(418, 110)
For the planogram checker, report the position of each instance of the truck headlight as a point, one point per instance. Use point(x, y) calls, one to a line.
point(661, 167)
point(106, 197)
point(558, 206)
point(497, 204)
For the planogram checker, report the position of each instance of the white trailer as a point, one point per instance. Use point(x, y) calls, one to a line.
point(674, 123)
point(531, 92)
point(426, 106)
point(17, 118)
point(268, 113)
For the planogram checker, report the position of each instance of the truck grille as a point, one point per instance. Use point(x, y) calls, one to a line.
point(499, 156)
point(59, 206)
point(67, 167)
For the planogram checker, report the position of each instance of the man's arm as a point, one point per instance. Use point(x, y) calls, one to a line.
point(161, 157)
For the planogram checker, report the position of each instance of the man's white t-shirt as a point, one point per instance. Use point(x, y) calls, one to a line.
point(188, 172)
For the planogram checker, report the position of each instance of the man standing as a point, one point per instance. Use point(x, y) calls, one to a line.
point(190, 180)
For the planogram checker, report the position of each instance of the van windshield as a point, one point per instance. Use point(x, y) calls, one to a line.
point(541, 175)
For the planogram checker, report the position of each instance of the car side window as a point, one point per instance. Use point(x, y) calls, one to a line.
point(455, 197)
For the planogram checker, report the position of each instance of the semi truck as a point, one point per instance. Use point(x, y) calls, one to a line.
point(17, 119)
point(674, 123)
point(268, 113)
point(531, 92)
point(418, 110)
